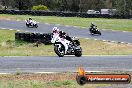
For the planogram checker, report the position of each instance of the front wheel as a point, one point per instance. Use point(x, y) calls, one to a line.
point(59, 50)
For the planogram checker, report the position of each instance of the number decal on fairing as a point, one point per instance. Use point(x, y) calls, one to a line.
point(59, 45)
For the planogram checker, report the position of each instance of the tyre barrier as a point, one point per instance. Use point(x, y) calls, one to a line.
point(34, 37)
point(63, 14)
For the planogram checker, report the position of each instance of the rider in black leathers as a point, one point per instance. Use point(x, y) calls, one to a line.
point(93, 27)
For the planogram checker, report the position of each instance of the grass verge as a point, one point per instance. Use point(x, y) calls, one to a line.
point(103, 23)
point(59, 80)
point(10, 47)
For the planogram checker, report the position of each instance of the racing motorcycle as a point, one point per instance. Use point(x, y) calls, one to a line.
point(94, 30)
point(33, 24)
point(64, 47)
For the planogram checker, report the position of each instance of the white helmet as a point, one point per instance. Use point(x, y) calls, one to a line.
point(55, 30)
point(93, 23)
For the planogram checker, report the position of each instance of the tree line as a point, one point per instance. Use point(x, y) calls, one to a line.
point(124, 7)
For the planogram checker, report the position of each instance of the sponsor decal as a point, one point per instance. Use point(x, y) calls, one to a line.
point(83, 78)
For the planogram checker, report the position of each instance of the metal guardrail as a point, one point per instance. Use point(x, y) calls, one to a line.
point(62, 14)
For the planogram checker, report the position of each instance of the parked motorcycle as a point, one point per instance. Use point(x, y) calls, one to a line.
point(64, 47)
point(94, 30)
point(32, 24)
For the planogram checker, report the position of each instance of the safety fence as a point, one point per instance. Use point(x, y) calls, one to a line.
point(62, 14)
point(34, 37)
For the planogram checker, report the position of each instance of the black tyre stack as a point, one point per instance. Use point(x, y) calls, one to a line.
point(34, 37)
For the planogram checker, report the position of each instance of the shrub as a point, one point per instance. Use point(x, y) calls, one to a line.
point(40, 7)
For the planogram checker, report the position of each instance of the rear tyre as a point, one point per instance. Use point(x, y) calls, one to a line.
point(99, 32)
point(36, 25)
point(27, 25)
point(59, 50)
point(78, 53)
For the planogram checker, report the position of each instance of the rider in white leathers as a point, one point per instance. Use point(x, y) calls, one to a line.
point(58, 36)
point(30, 21)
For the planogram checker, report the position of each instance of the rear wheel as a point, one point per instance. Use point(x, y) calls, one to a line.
point(78, 53)
point(27, 25)
point(59, 50)
point(36, 25)
point(99, 32)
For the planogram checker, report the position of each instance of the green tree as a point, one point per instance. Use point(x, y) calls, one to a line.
point(124, 7)
point(39, 7)
point(92, 4)
point(23, 4)
point(6, 3)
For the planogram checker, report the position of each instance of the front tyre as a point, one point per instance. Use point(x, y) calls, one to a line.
point(59, 50)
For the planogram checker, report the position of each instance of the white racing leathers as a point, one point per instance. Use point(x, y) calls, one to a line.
point(31, 23)
point(57, 39)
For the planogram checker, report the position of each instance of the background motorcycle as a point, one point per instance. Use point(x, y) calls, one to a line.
point(33, 24)
point(64, 47)
point(93, 30)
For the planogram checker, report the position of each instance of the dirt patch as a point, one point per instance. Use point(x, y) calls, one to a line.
point(46, 77)
point(5, 18)
point(40, 77)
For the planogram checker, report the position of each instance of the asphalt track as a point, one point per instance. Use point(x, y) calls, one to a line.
point(65, 64)
point(118, 36)
point(70, 63)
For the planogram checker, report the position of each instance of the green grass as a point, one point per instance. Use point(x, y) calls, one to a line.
point(10, 47)
point(41, 84)
point(102, 23)
point(60, 80)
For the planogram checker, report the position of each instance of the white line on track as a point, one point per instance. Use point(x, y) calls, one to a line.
point(104, 40)
point(125, 31)
point(1, 73)
point(18, 30)
point(11, 29)
point(112, 41)
point(6, 28)
point(58, 24)
point(123, 42)
point(67, 25)
point(18, 20)
point(26, 31)
point(4, 73)
point(47, 23)
point(83, 27)
point(76, 26)
point(3, 28)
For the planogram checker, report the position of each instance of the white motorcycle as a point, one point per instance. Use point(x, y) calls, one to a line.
point(32, 24)
point(64, 47)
